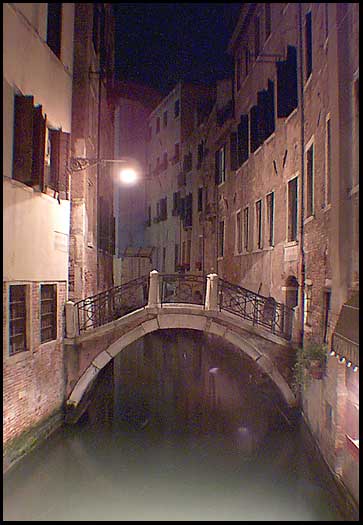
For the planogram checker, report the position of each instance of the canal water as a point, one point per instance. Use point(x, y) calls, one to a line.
point(181, 427)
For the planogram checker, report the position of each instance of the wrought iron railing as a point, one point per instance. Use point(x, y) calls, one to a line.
point(260, 310)
point(112, 304)
point(181, 288)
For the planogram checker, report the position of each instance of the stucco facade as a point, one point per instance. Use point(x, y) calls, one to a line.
point(37, 91)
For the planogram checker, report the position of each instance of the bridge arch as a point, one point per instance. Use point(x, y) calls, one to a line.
point(258, 346)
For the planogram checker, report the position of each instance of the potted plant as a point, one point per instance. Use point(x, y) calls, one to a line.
point(310, 362)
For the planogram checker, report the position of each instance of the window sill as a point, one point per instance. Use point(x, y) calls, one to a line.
point(21, 356)
point(288, 244)
point(309, 219)
point(292, 114)
point(269, 139)
point(308, 82)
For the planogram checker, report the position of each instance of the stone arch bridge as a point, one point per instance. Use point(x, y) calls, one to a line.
point(99, 327)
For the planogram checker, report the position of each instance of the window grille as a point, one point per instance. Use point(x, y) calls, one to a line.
point(48, 312)
point(18, 320)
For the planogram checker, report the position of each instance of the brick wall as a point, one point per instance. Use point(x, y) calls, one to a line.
point(33, 380)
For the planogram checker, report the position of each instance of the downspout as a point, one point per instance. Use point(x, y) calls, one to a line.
point(302, 189)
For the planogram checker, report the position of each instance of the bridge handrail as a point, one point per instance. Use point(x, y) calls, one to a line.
point(182, 288)
point(110, 304)
point(254, 307)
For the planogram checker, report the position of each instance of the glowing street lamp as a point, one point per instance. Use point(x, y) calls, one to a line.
point(129, 174)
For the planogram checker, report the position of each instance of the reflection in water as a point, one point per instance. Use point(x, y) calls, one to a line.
point(195, 435)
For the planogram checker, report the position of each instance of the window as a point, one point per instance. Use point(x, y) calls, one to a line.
point(176, 152)
point(48, 312)
point(200, 154)
point(165, 119)
point(242, 140)
point(164, 260)
point(18, 319)
point(307, 304)
point(200, 199)
point(220, 165)
point(188, 212)
point(176, 257)
point(238, 233)
point(308, 45)
point(328, 417)
point(221, 238)
point(165, 161)
point(54, 27)
point(292, 210)
point(157, 125)
point(254, 135)
point(176, 108)
point(257, 37)
point(267, 20)
point(40, 156)
point(270, 203)
point(233, 142)
point(247, 60)
point(310, 181)
point(328, 162)
point(287, 92)
point(188, 162)
point(148, 216)
point(245, 229)
point(163, 210)
point(238, 74)
point(259, 224)
point(265, 113)
point(326, 313)
point(90, 206)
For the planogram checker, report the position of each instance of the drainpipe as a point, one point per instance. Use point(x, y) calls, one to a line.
point(302, 189)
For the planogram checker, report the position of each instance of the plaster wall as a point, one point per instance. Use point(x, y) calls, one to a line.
point(36, 232)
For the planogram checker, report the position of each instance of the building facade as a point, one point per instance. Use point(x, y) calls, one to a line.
point(295, 216)
point(133, 105)
point(169, 162)
point(92, 222)
point(37, 80)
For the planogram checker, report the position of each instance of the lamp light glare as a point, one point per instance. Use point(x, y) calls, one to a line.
point(128, 176)
point(349, 363)
point(355, 368)
point(332, 352)
point(342, 359)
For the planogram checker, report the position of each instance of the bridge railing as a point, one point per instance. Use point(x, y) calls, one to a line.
point(258, 309)
point(177, 288)
point(212, 292)
point(111, 304)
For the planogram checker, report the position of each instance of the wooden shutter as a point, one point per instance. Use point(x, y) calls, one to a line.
point(254, 128)
point(23, 139)
point(262, 117)
point(53, 179)
point(287, 97)
point(233, 151)
point(63, 174)
point(216, 172)
point(242, 139)
point(39, 125)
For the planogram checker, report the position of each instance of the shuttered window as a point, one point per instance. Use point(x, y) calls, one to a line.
point(243, 140)
point(188, 215)
point(233, 150)
point(220, 165)
point(48, 312)
point(17, 318)
point(266, 112)
point(23, 139)
point(54, 27)
point(287, 94)
point(292, 210)
point(254, 135)
point(308, 45)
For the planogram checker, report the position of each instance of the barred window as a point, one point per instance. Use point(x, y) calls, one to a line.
point(48, 312)
point(18, 331)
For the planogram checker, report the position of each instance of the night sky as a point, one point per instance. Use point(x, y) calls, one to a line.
point(162, 44)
